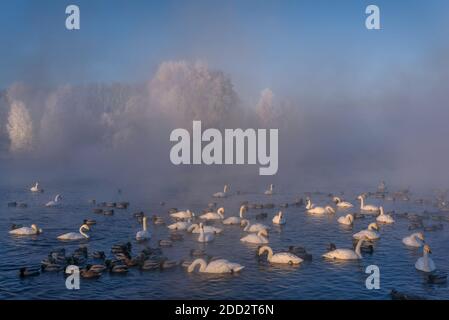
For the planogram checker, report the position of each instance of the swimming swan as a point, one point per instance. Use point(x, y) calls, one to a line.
point(221, 194)
point(182, 214)
point(180, 225)
point(346, 254)
point(55, 202)
point(235, 220)
point(321, 210)
point(370, 233)
point(219, 215)
point(205, 236)
point(281, 257)
point(384, 218)
point(260, 237)
point(425, 263)
point(279, 218)
point(342, 204)
point(256, 227)
point(215, 266)
point(367, 207)
point(346, 220)
point(76, 235)
point(26, 231)
point(36, 188)
point(195, 228)
point(269, 192)
point(143, 234)
point(414, 240)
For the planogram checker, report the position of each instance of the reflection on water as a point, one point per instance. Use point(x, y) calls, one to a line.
point(316, 279)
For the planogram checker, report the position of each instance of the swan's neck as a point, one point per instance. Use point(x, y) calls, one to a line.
point(241, 213)
point(225, 189)
point(357, 248)
point(201, 262)
point(270, 252)
point(83, 234)
point(144, 224)
point(426, 259)
point(362, 203)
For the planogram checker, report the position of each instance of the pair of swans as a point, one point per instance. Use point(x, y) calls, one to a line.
point(223, 194)
point(346, 220)
point(26, 231)
point(425, 263)
point(367, 207)
point(312, 209)
point(279, 218)
point(346, 254)
point(205, 236)
point(370, 233)
point(384, 218)
point(143, 234)
point(36, 188)
point(342, 204)
point(270, 191)
point(219, 215)
point(76, 235)
point(182, 214)
point(414, 240)
point(55, 202)
point(255, 227)
point(235, 220)
point(260, 238)
point(281, 257)
point(196, 228)
point(215, 266)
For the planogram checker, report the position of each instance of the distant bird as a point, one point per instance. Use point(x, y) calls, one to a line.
point(270, 191)
point(279, 218)
point(55, 202)
point(26, 231)
point(143, 234)
point(36, 188)
point(223, 194)
point(281, 257)
point(425, 263)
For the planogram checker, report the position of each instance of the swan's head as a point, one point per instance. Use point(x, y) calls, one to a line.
point(350, 217)
point(35, 228)
point(332, 247)
point(58, 197)
point(427, 249)
point(336, 199)
point(420, 236)
point(360, 197)
point(262, 249)
point(373, 226)
point(263, 232)
point(85, 227)
point(221, 211)
point(280, 214)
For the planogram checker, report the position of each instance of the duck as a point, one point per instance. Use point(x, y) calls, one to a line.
point(195, 228)
point(182, 214)
point(26, 231)
point(345, 254)
point(259, 238)
point(255, 227)
point(76, 235)
point(205, 236)
point(370, 233)
point(235, 220)
point(384, 218)
point(180, 225)
point(281, 257)
point(367, 207)
point(89, 222)
point(301, 252)
point(223, 194)
point(342, 204)
point(25, 272)
point(54, 202)
point(215, 266)
point(89, 273)
point(219, 215)
point(143, 234)
point(279, 218)
point(346, 220)
point(414, 240)
point(269, 192)
point(36, 188)
point(321, 210)
point(425, 263)
point(165, 243)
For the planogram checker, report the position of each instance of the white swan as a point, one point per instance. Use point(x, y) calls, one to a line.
point(384, 218)
point(342, 204)
point(346, 220)
point(367, 207)
point(279, 218)
point(182, 214)
point(414, 240)
point(215, 266)
point(180, 225)
point(195, 228)
point(222, 194)
point(235, 220)
point(205, 236)
point(309, 204)
point(425, 263)
point(260, 237)
point(55, 202)
point(270, 191)
point(36, 188)
point(76, 235)
point(26, 231)
point(321, 210)
point(143, 234)
point(346, 254)
point(256, 227)
point(219, 215)
point(281, 257)
point(370, 233)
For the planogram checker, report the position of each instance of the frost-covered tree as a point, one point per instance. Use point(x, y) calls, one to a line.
point(20, 127)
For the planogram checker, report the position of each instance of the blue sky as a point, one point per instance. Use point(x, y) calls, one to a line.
point(259, 43)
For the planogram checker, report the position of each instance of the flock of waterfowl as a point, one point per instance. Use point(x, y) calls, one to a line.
point(93, 264)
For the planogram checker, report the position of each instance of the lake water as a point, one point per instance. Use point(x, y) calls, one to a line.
point(316, 279)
